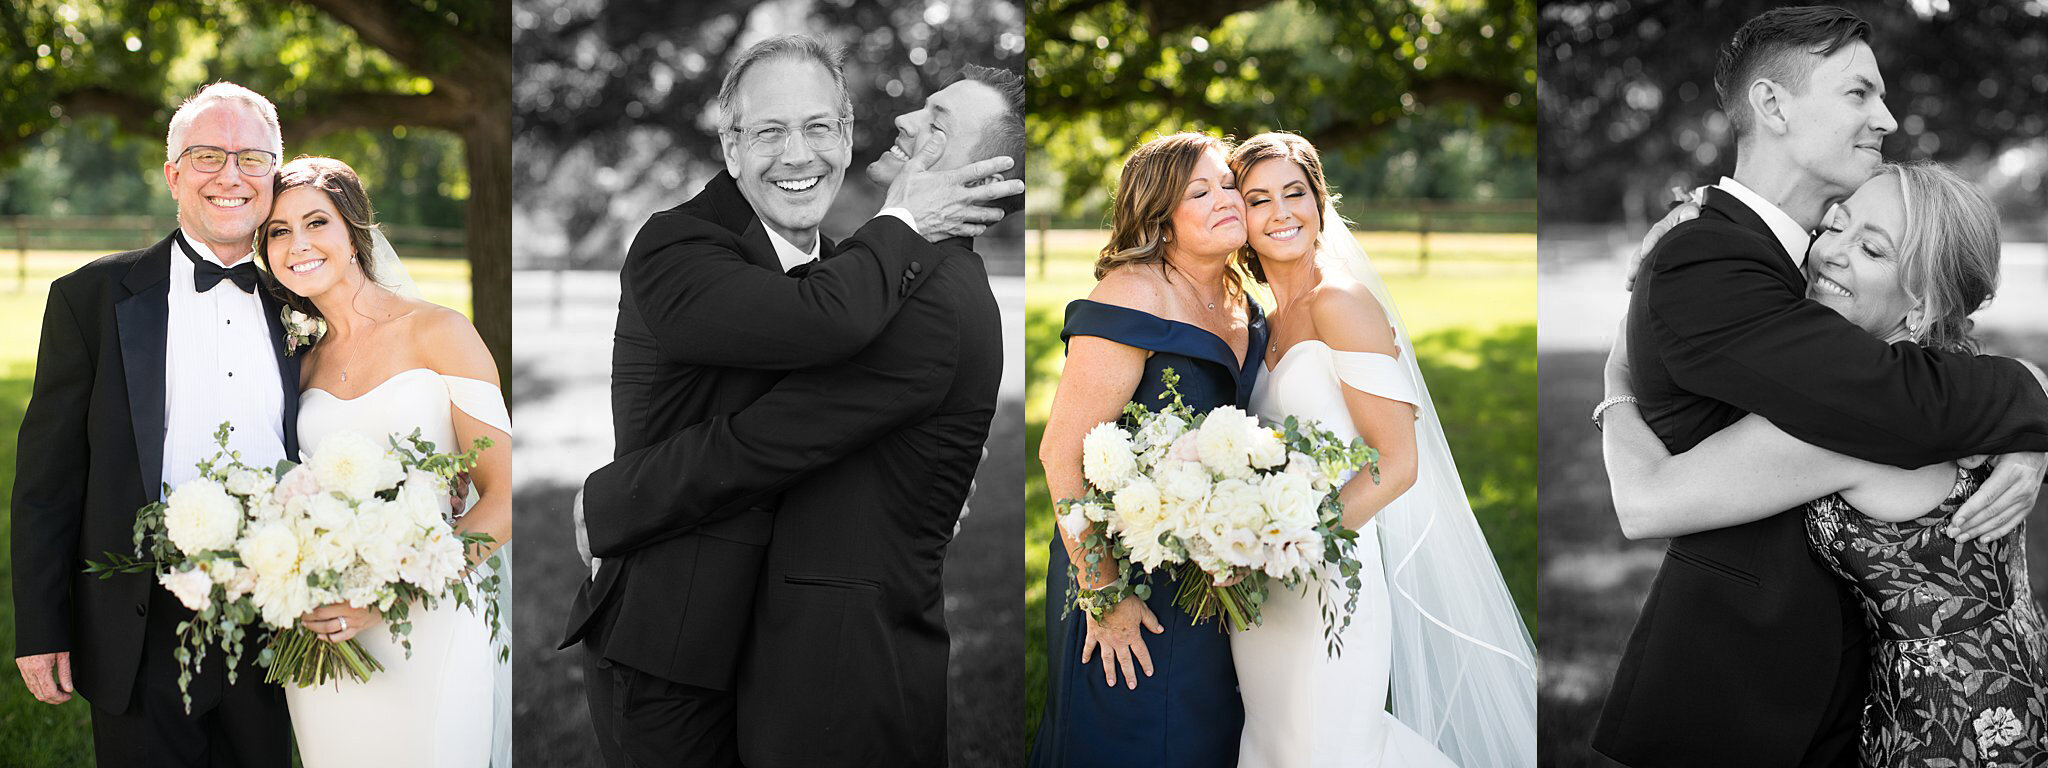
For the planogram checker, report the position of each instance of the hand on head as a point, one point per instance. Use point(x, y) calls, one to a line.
point(955, 202)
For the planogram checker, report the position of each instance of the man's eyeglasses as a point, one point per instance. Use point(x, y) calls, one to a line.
point(251, 162)
point(772, 139)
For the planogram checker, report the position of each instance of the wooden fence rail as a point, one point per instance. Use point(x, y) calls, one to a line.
point(110, 234)
point(1383, 215)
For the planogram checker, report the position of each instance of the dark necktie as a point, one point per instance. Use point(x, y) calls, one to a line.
point(206, 274)
point(801, 270)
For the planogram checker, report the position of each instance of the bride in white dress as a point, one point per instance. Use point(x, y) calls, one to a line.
point(390, 363)
point(1434, 621)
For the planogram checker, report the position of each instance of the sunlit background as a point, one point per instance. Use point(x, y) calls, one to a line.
point(614, 118)
point(86, 95)
point(1424, 113)
point(1626, 95)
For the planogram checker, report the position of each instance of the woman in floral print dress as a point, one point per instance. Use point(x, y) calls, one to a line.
point(1959, 662)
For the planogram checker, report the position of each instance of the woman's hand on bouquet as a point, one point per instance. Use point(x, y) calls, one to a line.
point(340, 622)
point(1122, 645)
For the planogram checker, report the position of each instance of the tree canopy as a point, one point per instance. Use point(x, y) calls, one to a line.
point(349, 77)
point(614, 101)
point(1629, 108)
point(1418, 99)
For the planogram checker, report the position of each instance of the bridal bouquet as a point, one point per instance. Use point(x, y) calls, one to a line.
point(357, 523)
point(1226, 501)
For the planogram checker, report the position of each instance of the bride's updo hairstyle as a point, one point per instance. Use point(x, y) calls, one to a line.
point(1948, 254)
point(351, 203)
point(1280, 146)
point(1149, 189)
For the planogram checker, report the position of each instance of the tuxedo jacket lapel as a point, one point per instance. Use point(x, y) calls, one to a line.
point(143, 319)
point(1733, 209)
point(754, 242)
point(287, 373)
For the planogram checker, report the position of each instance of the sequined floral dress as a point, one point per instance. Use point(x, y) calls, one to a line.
point(1959, 665)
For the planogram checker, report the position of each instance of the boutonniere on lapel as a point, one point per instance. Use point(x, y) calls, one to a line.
point(300, 329)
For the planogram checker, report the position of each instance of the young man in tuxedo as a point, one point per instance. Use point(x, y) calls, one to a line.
point(1748, 652)
point(721, 301)
point(143, 355)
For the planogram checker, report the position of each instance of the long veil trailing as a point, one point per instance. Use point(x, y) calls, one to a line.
point(391, 273)
point(390, 270)
point(1464, 667)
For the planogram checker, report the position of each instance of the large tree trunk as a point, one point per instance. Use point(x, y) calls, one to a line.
point(488, 145)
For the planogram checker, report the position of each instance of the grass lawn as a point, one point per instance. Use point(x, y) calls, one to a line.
point(1473, 314)
point(33, 734)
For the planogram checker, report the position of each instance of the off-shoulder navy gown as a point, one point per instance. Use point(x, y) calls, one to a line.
point(1187, 714)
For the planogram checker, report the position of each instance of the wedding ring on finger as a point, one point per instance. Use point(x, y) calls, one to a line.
point(344, 624)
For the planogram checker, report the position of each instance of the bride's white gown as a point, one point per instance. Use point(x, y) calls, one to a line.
point(1301, 707)
point(436, 707)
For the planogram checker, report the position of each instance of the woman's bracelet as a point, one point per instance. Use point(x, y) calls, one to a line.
point(1601, 409)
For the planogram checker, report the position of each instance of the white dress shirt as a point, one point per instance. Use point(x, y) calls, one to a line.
point(787, 252)
point(1795, 238)
point(219, 366)
point(790, 255)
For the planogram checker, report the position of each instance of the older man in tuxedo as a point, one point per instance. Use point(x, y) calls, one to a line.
point(722, 300)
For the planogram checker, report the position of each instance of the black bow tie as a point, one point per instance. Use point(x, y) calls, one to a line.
point(206, 274)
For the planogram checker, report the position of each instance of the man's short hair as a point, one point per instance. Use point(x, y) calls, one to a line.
point(219, 93)
point(783, 48)
point(1780, 45)
point(1005, 132)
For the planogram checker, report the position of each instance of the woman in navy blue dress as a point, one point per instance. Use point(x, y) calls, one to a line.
point(1145, 686)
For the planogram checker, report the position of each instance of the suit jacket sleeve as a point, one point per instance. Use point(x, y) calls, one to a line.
point(810, 419)
point(1732, 330)
point(707, 305)
point(49, 482)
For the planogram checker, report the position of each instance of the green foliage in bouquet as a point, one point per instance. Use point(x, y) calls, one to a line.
point(1237, 602)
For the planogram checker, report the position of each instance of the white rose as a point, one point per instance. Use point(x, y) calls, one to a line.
point(1290, 499)
point(1182, 483)
point(1138, 505)
point(423, 499)
point(202, 517)
point(1106, 459)
point(349, 463)
point(380, 554)
point(326, 512)
point(1235, 503)
point(331, 549)
point(1235, 546)
point(270, 549)
point(192, 587)
point(1224, 441)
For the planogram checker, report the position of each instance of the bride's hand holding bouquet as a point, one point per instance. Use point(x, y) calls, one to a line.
point(358, 524)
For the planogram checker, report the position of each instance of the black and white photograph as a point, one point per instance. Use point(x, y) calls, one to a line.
point(768, 289)
point(1793, 419)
